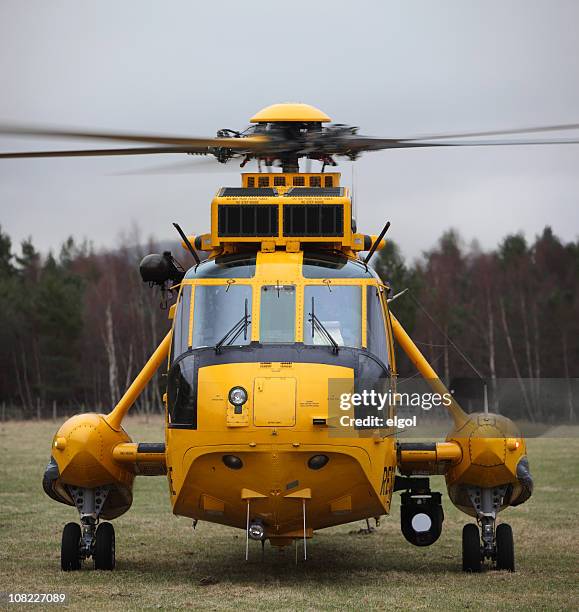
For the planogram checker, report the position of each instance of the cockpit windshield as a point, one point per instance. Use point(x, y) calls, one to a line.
point(323, 311)
point(218, 308)
point(277, 314)
point(339, 310)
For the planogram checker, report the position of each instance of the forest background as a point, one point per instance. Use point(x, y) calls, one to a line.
point(76, 326)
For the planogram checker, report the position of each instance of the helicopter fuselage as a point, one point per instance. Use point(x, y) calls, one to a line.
point(283, 445)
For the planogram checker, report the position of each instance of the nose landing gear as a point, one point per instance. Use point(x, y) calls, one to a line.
point(89, 539)
point(495, 544)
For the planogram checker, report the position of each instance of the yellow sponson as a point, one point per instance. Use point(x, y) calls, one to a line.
point(290, 112)
point(83, 450)
point(492, 448)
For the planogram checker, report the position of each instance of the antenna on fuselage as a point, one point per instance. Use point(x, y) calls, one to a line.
point(376, 243)
point(187, 243)
point(354, 198)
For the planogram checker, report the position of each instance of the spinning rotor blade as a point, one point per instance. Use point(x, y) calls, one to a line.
point(548, 128)
point(191, 144)
point(101, 152)
point(331, 141)
point(359, 144)
point(365, 143)
point(201, 166)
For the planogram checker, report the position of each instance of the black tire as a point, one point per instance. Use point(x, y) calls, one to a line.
point(505, 548)
point(471, 553)
point(70, 548)
point(104, 547)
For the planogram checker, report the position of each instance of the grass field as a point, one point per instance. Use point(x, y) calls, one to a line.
point(163, 563)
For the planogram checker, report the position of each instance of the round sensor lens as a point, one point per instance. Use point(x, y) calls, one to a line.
point(421, 522)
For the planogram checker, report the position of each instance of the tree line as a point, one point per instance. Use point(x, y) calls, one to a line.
point(506, 318)
point(77, 326)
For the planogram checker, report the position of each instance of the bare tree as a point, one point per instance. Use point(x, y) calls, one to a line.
point(109, 342)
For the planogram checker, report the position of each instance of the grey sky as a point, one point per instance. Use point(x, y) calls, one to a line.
point(393, 68)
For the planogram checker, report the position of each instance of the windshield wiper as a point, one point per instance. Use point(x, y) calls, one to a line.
point(241, 326)
point(321, 328)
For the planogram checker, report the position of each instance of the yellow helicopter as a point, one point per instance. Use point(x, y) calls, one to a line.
point(279, 323)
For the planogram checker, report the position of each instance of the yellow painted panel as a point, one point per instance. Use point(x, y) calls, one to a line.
point(212, 505)
point(237, 416)
point(274, 402)
point(341, 505)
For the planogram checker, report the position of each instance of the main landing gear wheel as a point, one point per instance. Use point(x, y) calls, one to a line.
point(70, 548)
point(505, 548)
point(104, 547)
point(471, 549)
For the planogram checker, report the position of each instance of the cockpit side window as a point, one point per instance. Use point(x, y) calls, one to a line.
point(375, 330)
point(182, 393)
point(181, 325)
point(335, 310)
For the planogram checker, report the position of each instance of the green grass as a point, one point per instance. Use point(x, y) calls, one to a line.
point(163, 563)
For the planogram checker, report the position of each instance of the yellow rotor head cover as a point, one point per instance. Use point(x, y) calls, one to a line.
point(290, 112)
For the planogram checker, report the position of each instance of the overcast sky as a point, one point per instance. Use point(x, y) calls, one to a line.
point(393, 68)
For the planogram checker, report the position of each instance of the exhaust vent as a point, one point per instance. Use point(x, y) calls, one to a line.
point(313, 220)
point(237, 220)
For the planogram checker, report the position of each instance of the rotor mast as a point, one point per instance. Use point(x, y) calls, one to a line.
point(290, 163)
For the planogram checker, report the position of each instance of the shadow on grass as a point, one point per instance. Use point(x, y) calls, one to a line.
point(329, 563)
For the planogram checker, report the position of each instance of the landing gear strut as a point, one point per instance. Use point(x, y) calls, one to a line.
point(495, 544)
point(89, 539)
